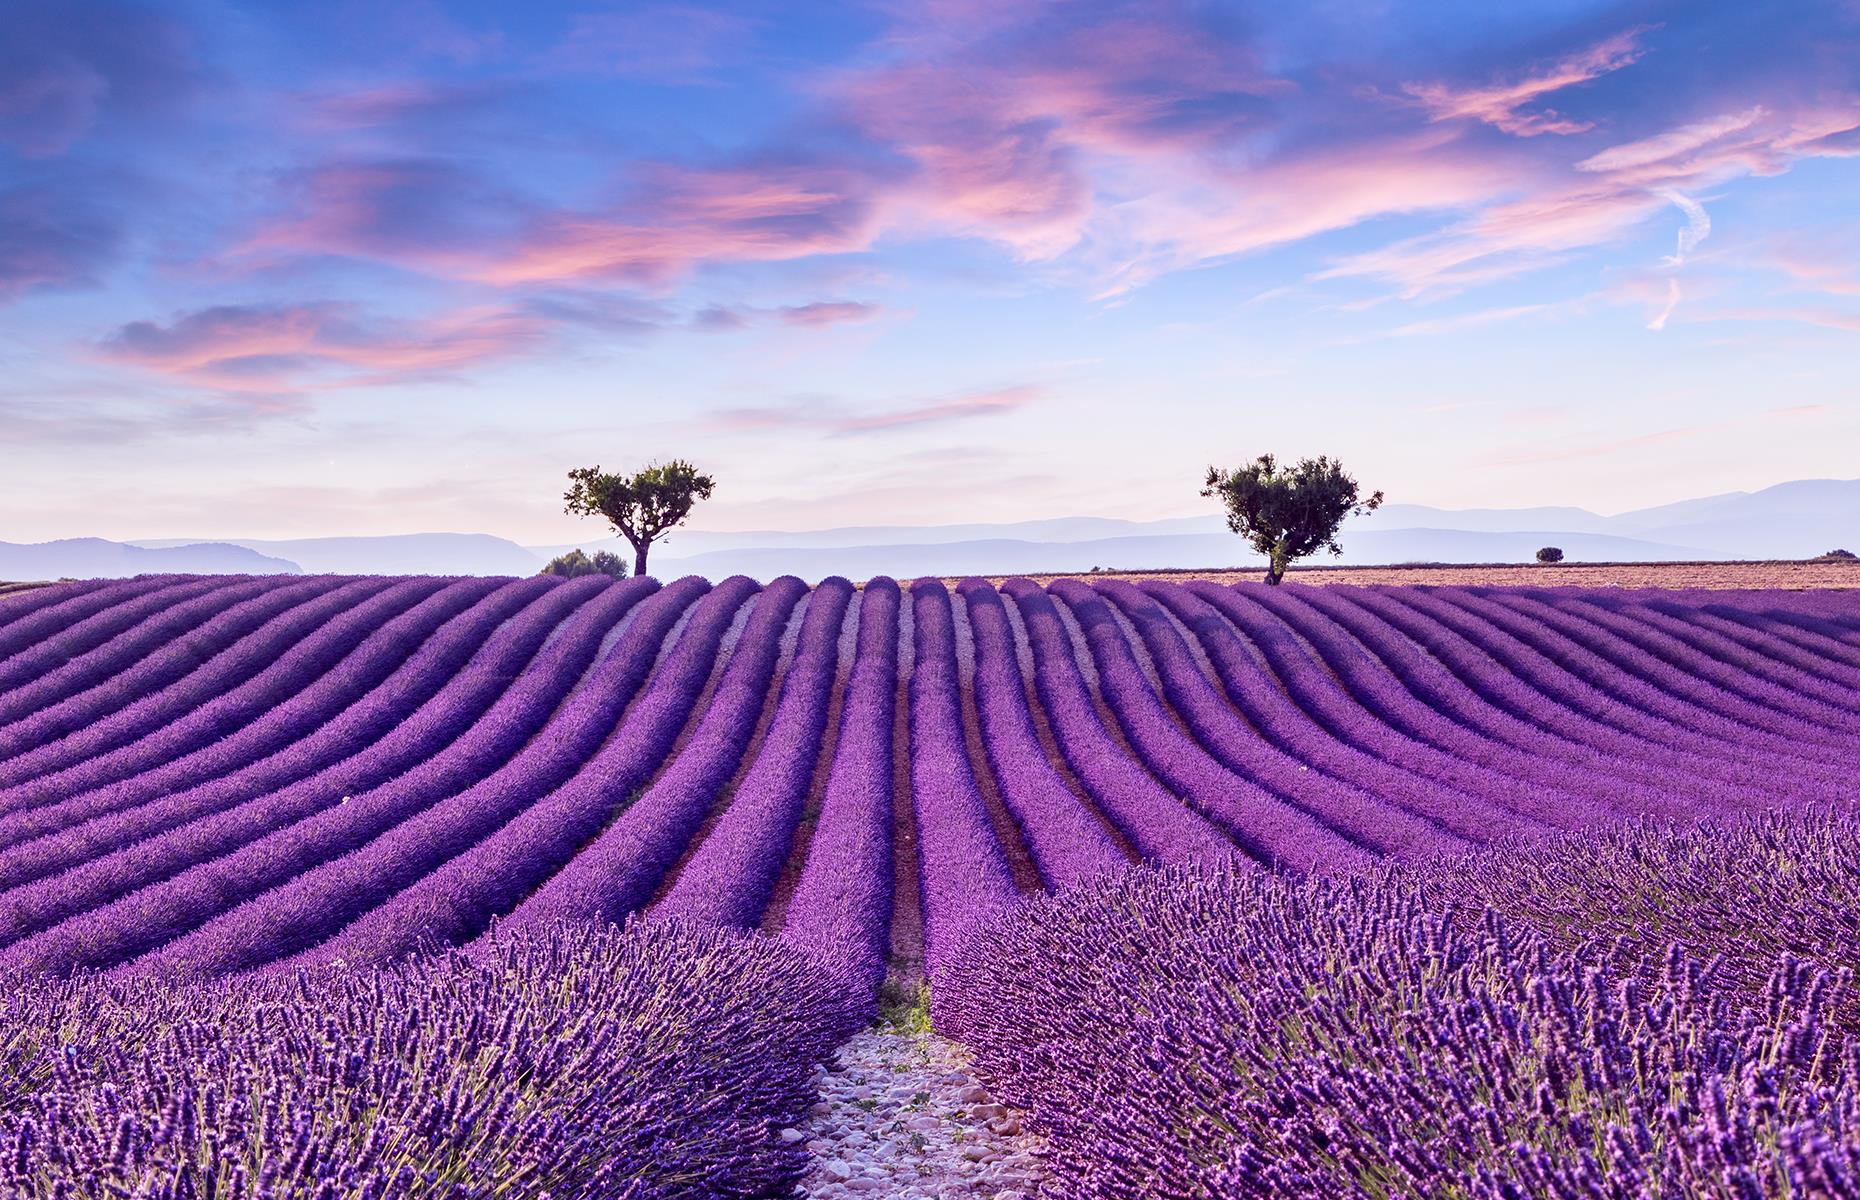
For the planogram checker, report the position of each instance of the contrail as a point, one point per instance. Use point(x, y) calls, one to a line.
point(1698, 226)
point(1672, 302)
point(1697, 229)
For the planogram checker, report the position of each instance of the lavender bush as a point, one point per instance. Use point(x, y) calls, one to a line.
point(574, 1063)
point(1503, 1028)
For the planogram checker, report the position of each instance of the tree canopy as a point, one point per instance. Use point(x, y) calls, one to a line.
point(641, 507)
point(576, 563)
point(1287, 514)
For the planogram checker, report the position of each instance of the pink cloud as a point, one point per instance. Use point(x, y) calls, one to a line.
point(1813, 268)
point(1754, 141)
point(397, 102)
point(820, 417)
point(1498, 105)
point(292, 347)
point(687, 217)
point(1826, 318)
point(1611, 194)
point(828, 312)
point(1301, 196)
point(956, 408)
point(1490, 316)
point(1595, 449)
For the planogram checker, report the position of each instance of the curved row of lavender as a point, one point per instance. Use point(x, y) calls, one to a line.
point(208, 776)
point(260, 781)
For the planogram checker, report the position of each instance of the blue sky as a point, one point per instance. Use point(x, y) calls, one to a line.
point(286, 270)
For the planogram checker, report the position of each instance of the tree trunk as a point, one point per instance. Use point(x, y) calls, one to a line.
point(1275, 568)
point(639, 557)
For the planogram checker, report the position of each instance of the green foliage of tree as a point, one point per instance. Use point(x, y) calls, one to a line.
point(1287, 514)
point(641, 507)
point(1550, 554)
point(576, 563)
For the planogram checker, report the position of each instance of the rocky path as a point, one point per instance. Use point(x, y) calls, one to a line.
point(900, 1116)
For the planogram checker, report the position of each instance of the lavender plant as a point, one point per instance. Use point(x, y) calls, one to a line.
point(568, 1063)
point(1503, 1028)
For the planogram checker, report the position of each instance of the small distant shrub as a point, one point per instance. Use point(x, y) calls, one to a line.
point(575, 564)
point(1839, 556)
point(1550, 554)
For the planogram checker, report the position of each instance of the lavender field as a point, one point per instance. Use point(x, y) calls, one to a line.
point(309, 884)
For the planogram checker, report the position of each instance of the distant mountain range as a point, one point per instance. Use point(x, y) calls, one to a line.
point(1789, 521)
point(95, 558)
point(396, 554)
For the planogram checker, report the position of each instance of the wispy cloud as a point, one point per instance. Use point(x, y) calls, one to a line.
point(55, 234)
point(1498, 104)
point(1826, 318)
point(1489, 316)
point(1598, 448)
point(828, 417)
point(296, 347)
point(822, 313)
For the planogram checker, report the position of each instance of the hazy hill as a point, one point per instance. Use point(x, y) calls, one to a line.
point(398, 554)
point(95, 558)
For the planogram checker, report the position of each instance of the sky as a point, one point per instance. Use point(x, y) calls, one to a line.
point(387, 266)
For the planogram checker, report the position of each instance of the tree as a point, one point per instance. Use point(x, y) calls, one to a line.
point(641, 507)
point(1287, 514)
point(1550, 554)
point(576, 563)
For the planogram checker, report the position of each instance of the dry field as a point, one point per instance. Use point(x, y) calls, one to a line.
point(1792, 576)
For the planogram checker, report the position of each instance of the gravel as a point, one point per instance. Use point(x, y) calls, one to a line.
point(900, 1116)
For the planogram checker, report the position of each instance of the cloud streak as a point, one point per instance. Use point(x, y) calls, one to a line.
point(311, 346)
point(1498, 105)
point(832, 419)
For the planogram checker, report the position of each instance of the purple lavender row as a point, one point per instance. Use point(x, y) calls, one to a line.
point(220, 654)
point(961, 868)
point(841, 908)
point(1361, 699)
point(1267, 825)
point(1349, 741)
point(1591, 698)
point(357, 729)
point(323, 898)
point(1066, 840)
point(1523, 692)
point(1676, 695)
point(124, 853)
point(291, 653)
point(1405, 821)
point(1740, 666)
point(1159, 825)
point(366, 643)
point(25, 602)
point(452, 903)
point(654, 1063)
point(274, 847)
point(729, 878)
point(85, 651)
point(37, 616)
point(1801, 639)
point(618, 872)
point(1415, 675)
point(180, 609)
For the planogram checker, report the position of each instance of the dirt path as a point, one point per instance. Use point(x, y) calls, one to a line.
point(900, 1116)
